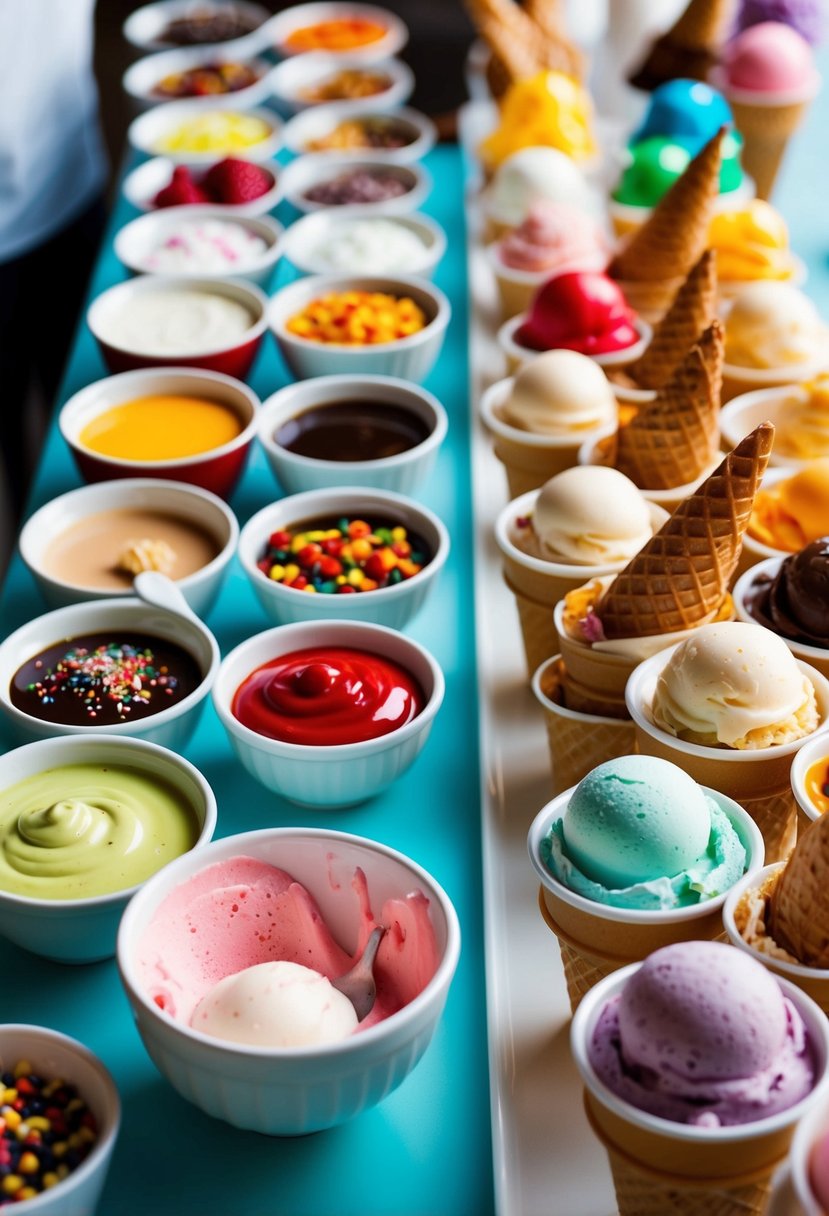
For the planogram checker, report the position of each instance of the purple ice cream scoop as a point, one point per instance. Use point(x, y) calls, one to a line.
point(805, 16)
point(702, 1034)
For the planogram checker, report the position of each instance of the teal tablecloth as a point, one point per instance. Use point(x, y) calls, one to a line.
point(426, 1149)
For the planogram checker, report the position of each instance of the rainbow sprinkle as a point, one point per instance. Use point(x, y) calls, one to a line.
point(122, 674)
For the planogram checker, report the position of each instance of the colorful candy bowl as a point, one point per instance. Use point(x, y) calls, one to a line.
point(321, 563)
point(329, 774)
point(232, 355)
point(216, 469)
point(82, 929)
point(403, 472)
point(54, 1056)
point(410, 357)
point(103, 678)
point(291, 1091)
point(89, 505)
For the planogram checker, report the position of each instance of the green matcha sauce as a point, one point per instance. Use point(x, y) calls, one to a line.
point(83, 830)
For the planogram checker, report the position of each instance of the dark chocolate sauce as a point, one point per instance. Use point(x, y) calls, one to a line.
point(346, 431)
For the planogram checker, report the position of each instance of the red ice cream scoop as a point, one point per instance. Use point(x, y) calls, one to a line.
point(581, 311)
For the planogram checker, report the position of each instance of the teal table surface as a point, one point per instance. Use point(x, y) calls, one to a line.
point(427, 1148)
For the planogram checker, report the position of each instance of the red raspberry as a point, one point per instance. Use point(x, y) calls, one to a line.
point(237, 181)
point(182, 189)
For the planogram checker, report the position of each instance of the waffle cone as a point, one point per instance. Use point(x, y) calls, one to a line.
point(693, 309)
point(672, 440)
point(511, 55)
point(680, 577)
point(766, 131)
point(776, 817)
point(675, 235)
point(688, 49)
point(798, 909)
point(579, 740)
point(538, 631)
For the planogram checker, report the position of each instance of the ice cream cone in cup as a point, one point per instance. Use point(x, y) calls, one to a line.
point(629, 904)
point(579, 525)
point(662, 1165)
point(654, 263)
point(578, 741)
point(732, 706)
point(539, 418)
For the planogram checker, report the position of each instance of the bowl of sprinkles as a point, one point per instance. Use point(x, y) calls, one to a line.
point(119, 665)
point(364, 32)
point(332, 324)
point(314, 79)
point(396, 136)
point(57, 1087)
point(344, 554)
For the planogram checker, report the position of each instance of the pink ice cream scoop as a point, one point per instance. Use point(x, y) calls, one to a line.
point(242, 912)
point(554, 237)
point(581, 311)
point(769, 58)
point(702, 1034)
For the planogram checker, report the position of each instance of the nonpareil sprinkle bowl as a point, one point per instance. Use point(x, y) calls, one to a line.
point(296, 1090)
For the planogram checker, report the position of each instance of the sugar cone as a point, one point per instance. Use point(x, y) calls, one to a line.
point(578, 740)
point(693, 309)
point(798, 908)
point(688, 49)
point(675, 235)
point(673, 439)
point(766, 130)
point(680, 577)
point(529, 465)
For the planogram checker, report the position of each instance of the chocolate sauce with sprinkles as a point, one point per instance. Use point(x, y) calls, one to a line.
point(101, 680)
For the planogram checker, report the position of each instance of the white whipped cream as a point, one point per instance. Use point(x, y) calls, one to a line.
point(174, 321)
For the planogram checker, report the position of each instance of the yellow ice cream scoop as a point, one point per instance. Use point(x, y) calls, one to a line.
point(803, 431)
point(795, 511)
point(751, 242)
point(546, 110)
point(216, 131)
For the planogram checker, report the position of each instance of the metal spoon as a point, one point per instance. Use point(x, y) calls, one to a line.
point(358, 983)
point(161, 592)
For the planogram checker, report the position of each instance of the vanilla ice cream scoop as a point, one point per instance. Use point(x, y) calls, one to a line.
point(734, 685)
point(530, 175)
point(275, 1004)
point(773, 325)
point(591, 516)
point(560, 392)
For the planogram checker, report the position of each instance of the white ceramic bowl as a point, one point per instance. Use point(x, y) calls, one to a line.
point(53, 1055)
point(292, 77)
point(149, 130)
point(742, 414)
point(300, 16)
point(170, 727)
point(302, 174)
point(390, 606)
point(143, 184)
point(84, 930)
point(410, 358)
point(292, 1091)
point(517, 355)
point(144, 27)
point(816, 749)
point(810, 1129)
point(320, 121)
point(339, 775)
point(187, 503)
point(140, 80)
point(230, 355)
point(136, 242)
point(216, 470)
point(403, 473)
point(304, 238)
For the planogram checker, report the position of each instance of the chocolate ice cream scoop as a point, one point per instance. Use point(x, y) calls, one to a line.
point(796, 601)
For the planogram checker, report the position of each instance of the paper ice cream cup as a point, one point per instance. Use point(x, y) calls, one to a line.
point(816, 749)
point(760, 780)
point(814, 981)
point(517, 287)
point(517, 355)
point(529, 459)
point(595, 451)
point(815, 656)
point(605, 938)
point(810, 1129)
point(578, 741)
point(739, 381)
point(691, 1169)
point(746, 411)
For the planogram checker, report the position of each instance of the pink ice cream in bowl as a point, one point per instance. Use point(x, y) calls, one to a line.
point(231, 967)
point(553, 239)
